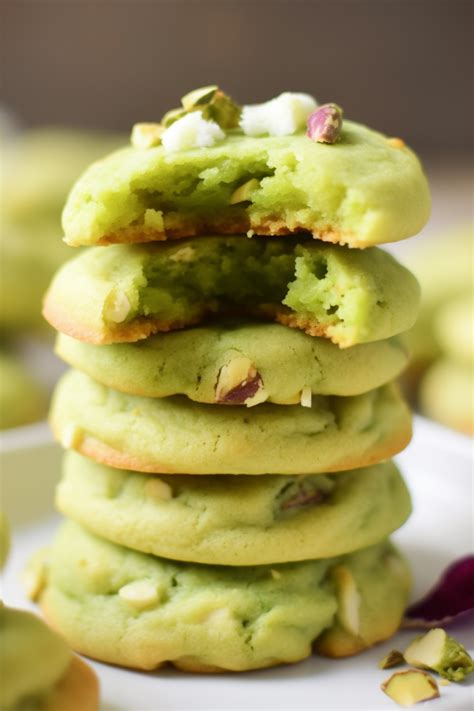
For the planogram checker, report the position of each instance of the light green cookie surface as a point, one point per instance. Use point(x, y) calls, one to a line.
point(178, 436)
point(137, 610)
point(32, 659)
point(361, 191)
point(235, 520)
point(199, 363)
point(127, 292)
point(22, 400)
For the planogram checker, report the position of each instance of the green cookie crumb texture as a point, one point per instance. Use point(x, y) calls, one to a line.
point(125, 292)
point(32, 659)
point(177, 436)
point(235, 520)
point(137, 610)
point(215, 364)
point(363, 190)
point(22, 399)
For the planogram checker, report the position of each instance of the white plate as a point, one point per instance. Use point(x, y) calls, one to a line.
point(438, 467)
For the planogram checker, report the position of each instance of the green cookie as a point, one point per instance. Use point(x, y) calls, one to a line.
point(363, 190)
point(136, 610)
point(454, 329)
point(177, 436)
point(237, 363)
point(32, 659)
point(235, 520)
point(22, 399)
point(128, 292)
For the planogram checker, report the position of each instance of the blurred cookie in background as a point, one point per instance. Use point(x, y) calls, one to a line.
point(441, 377)
point(38, 168)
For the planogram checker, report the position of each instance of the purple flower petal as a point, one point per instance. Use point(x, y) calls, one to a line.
point(451, 596)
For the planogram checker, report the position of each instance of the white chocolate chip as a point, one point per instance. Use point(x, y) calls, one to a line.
point(281, 116)
point(146, 135)
point(139, 594)
point(348, 598)
point(71, 436)
point(306, 396)
point(117, 307)
point(158, 489)
point(191, 131)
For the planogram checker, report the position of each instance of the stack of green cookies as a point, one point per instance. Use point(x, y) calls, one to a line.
point(231, 413)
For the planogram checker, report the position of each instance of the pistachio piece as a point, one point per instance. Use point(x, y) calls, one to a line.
point(239, 383)
point(244, 192)
point(348, 599)
point(303, 491)
point(438, 651)
point(306, 396)
point(117, 307)
point(171, 116)
point(158, 489)
point(146, 135)
point(392, 659)
point(34, 576)
point(396, 142)
point(223, 110)
point(325, 124)
point(140, 594)
point(198, 97)
point(71, 436)
point(409, 687)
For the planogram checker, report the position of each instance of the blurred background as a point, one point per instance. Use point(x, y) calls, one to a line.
point(78, 74)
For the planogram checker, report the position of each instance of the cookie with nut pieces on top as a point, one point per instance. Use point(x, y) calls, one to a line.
point(282, 167)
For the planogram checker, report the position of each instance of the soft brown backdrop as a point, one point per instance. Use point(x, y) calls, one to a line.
point(404, 66)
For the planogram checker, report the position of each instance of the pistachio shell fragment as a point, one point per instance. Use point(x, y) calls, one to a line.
point(438, 651)
point(392, 659)
point(409, 687)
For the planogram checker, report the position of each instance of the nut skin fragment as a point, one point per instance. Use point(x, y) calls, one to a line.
point(441, 653)
point(325, 124)
point(410, 687)
point(239, 383)
point(392, 659)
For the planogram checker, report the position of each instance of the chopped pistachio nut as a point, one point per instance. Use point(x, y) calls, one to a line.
point(348, 599)
point(325, 124)
point(239, 383)
point(158, 489)
point(117, 307)
point(171, 116)
point(282, 116)
point(146, 135)
point(191, 131)
point(34, 575)
point(183, 254)
point(198, 97)
point(71, 436)
point(392, 659)
point(306, 396)
point(396, 142)
point(438, 651)
point(139, 594)
point(244, 192)
point(409, 687)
